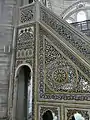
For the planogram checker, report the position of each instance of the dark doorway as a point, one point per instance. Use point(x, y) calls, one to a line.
point(73, 118)
point(22, 94)
point(30, 1)
point(47, 115)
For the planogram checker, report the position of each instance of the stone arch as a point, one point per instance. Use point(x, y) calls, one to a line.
point(19, 66)
point(23, 75)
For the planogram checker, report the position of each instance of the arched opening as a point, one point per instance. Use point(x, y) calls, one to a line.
point(47, 115)
point(81, 16)
point(24, 93)
point(77, 116)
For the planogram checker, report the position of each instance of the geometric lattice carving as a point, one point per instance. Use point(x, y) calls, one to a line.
point(27, 14)
point(59, 77)
point(60, 74)
point(83, 84)
point(69, 54)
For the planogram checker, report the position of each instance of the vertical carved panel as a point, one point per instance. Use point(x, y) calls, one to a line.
point(25, 45)
point(25, 55)
point(61, 75)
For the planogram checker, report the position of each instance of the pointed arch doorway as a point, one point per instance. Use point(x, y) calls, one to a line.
point(24, 93)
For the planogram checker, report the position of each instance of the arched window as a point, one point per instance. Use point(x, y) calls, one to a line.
point(81, 16)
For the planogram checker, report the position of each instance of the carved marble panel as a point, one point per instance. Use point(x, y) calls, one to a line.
point(27, 13)
point(60, 74)
point(60, 77)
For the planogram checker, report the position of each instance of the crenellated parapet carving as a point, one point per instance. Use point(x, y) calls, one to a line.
point(60, 77)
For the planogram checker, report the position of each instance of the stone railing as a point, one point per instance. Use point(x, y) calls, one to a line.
point(73, 38)
point(83, 26)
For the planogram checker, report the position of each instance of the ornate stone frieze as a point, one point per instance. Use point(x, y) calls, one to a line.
point(70, 36)
point(27, 13)
point(59, 78)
